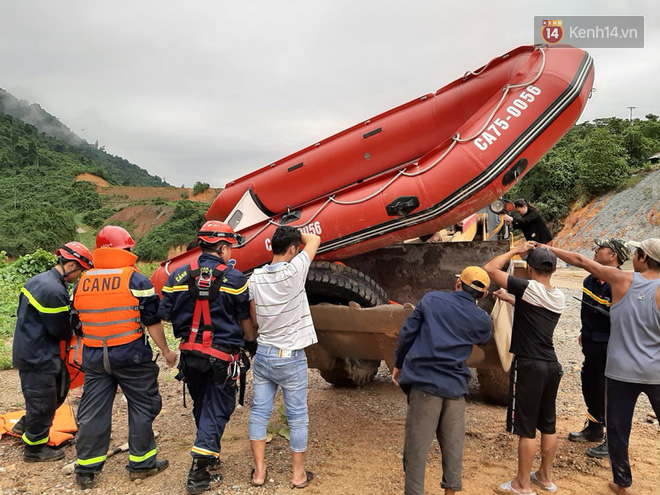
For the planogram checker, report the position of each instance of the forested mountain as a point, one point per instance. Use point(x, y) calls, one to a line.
point(39, 160)
point(29, 134)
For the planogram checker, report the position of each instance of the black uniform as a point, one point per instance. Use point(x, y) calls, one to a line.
point(595, 335)
point(42, 323)
point(533, 226)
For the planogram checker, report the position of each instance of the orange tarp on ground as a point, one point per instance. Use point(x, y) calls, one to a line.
point(63, 429)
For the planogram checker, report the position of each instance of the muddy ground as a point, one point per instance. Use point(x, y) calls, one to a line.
point(355, 440)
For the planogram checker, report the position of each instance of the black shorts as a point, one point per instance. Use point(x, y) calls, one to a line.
point(533, 389)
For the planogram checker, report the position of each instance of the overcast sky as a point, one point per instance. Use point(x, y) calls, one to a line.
point(210, 90)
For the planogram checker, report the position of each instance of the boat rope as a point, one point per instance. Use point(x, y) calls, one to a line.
point(372, 195)
point(505, 91)
point(455, 140)
point(309, 220)
point(331, 199)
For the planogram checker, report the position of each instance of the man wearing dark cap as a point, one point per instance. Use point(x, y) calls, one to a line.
point(595, 332)
point(633, 353)
point(535, 371)
point(429, 361)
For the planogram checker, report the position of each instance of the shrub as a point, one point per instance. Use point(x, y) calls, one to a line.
point(97, 217)
point(26, 229)
point(200, 187)
point(180, 228)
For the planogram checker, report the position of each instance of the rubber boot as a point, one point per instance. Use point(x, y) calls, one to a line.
point(140, 475)
point(41, 453)
point(19, 427)
point(85, 480)
point(592, 432)
point(600, 452)
point(199, 478)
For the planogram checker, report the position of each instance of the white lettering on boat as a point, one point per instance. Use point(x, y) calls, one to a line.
point(312, 228)
point(501, 124)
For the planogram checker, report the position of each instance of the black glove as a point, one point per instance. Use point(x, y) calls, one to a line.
point(251, 347)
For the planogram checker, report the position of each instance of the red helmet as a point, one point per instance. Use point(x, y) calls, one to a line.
point(75, 251)
point(113, 236)
point(213, 232)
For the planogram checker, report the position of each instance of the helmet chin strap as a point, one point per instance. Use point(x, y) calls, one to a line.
point(66, 274)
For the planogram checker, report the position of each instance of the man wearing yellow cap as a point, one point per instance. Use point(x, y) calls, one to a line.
point(433, 346)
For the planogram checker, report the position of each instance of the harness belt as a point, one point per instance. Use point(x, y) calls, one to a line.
point(205, 287)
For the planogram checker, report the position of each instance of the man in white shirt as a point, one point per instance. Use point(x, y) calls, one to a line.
point(279, 305)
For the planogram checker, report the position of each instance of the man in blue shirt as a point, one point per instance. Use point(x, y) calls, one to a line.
point(429, 366)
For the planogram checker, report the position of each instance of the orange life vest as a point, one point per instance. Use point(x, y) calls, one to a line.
point(108, 311)
point(71, 352)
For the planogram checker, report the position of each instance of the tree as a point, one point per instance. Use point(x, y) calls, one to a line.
point(603, 160)
point(638, 147)
point(24, 230)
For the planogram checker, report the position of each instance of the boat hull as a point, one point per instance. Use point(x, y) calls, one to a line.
point(467, 158)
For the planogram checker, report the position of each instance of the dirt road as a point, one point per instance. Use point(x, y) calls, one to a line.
point(355, 441)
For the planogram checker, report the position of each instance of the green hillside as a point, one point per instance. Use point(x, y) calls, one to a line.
point(29, 133)
point(39, 160)
point(593, 158)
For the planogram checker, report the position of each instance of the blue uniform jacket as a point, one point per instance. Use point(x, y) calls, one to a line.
point(138, 351)
point(595, 325)
point(231, 305)
point(42, 322)
point(436, 340)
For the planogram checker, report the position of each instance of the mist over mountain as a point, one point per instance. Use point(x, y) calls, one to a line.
point(115, 169)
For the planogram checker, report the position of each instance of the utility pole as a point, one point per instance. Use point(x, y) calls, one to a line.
point(631, 109)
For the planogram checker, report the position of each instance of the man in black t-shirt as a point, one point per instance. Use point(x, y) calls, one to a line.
point(535, 371)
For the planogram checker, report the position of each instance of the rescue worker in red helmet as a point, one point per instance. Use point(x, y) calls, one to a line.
point(113, 305)
point(42, 324)
point(207, 303)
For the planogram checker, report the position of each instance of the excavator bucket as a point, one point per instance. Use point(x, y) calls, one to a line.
point(406, 272)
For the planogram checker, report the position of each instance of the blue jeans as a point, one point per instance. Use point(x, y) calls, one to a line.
point(269, 371)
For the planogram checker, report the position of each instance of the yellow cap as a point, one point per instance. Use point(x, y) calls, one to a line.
point(475, 277)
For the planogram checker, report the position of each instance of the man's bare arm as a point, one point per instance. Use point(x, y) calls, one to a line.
point(495, 267)
point(311, 243)
point(619, 280)
point(609, 274)
point(158, 334)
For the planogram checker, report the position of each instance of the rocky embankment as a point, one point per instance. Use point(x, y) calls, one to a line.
point(632, 214)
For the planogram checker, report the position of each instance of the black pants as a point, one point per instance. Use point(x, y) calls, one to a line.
point(139, 384)
point(621, 401)
point(593, 378)
point(43, 393)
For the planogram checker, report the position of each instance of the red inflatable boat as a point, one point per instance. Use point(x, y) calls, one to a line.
point(415, 169)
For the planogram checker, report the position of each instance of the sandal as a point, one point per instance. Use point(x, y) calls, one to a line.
point(254, 483)
point(308, 480)
point(552, 488)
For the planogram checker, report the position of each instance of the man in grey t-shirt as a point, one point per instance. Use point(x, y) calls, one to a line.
point(633, 354)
